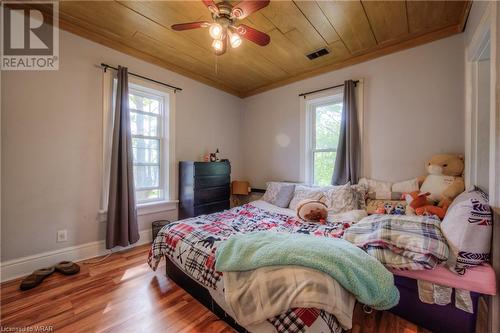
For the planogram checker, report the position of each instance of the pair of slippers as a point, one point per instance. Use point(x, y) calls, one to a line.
point(37, 277)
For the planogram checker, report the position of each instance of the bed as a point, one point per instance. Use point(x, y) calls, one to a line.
point(192, 266)
point(189, 248)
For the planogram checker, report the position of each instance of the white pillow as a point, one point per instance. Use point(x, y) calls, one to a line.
point(381, 189)
point(272, 190)
point(303, 192)
point(341, 199)
point(406, 186)
point(467, 227)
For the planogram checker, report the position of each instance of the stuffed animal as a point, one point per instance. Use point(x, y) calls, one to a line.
point(444, 180)
point(439, 211)
point(312, 211)
point(389, 208)
point(415, 200)
point(400, 209)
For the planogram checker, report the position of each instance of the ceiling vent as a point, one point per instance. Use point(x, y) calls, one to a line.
point(317, 53)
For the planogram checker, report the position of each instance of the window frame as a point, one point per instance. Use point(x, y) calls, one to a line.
point(333, 97)
point(167, 152)
point(162, 137)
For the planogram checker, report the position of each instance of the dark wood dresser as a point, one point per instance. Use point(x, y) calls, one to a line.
point(204, 187)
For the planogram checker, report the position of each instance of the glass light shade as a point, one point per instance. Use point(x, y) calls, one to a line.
point(215, 31)
point(217, 45)
point(235, 40)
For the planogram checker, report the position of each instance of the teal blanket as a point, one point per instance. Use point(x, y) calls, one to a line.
point(359, 273)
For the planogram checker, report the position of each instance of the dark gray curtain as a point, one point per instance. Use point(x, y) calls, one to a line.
point(348, 161)
point(122, 215)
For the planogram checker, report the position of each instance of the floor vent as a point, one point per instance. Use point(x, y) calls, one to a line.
point(318, 53)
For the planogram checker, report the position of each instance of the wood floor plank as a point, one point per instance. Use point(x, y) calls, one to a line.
point(122, 294)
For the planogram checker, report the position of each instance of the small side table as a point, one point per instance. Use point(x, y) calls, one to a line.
point(157, 225)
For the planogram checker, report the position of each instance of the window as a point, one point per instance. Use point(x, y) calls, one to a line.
point(152, 126)
point(323, 117)
point(149, 129)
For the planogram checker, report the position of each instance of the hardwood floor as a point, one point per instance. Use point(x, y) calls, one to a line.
point(122, 294)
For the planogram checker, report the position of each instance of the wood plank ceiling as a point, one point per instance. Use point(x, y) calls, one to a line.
point(353, 31)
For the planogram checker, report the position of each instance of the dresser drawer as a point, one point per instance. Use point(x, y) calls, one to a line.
point(211, 181)
point(212, 194)
point(211, 169)
point(211, 208)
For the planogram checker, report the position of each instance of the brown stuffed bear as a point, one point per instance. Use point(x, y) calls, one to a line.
point(444, 182)
point(445, 177)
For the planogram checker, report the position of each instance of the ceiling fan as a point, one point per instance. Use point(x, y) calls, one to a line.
point(224, 29)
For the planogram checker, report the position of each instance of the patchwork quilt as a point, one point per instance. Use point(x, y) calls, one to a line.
point(401, 241)
point(191, 245)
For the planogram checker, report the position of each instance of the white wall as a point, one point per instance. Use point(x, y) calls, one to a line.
point(414, 108)
point(51, 144)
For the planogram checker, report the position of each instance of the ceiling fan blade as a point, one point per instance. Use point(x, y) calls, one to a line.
point(211, 6)
point(253, 35)
point(190, 25)
point(246, 7)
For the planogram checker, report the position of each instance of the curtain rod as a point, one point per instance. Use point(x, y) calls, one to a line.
point(106, 66)
point(328, 88)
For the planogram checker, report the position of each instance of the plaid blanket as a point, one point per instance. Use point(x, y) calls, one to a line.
point(191, 245)
point(401, 241)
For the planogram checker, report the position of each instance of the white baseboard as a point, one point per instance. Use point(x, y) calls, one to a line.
point(26, 265)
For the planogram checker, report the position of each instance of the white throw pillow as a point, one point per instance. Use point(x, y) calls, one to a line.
point(277, 191)
point(341, 199)
point(406, 186)
point(381, 189)
point(467, 227)
point(303, 192)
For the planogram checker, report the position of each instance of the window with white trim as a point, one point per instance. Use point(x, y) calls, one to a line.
point(149, 128)
point(323, 117)
point(152, 126)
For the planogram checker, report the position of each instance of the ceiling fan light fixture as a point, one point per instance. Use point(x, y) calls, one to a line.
point(218, 45)
point(215, 31)
point(235, 40)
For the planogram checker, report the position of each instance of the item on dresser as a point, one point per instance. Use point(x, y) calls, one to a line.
point(468, 228)
point(157, 225)
point(204, 188)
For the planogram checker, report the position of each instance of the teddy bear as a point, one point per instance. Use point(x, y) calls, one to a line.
point(445, 177)
point(443, 183)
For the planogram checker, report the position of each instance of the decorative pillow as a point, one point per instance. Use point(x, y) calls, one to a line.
point(341, 199)
point(360, 192)
point(386, 196)
point(312, 211)
point(468, 228)
point(394, 207)
point(406, 186)
point(273, 189)
point(381, 189)
point(303, 192)
point(285, 195)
